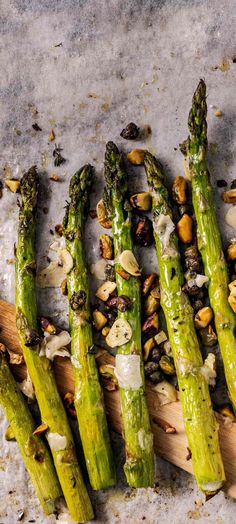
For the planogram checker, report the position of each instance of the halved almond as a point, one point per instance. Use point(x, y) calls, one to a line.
point(102, 217)
point(129, 263)
point(104, 291)
point(119, 334)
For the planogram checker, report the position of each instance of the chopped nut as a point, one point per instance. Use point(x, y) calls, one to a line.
point(160, 337)
point(203, 317)
point(232, 302)
point(15, 358)
point(151, 305)
point(78, 300)
point(119, 334)
point(106, 246)
point(179, 190)
point(141, 201)
point(122, 303)
point(150, 368)
point(108, 371)
point(231, 250)
point(55, 178)
point(208, 336)
point(185, 229)
point(129, 263)
point(100, 320)
point(105, 290)
point(164, 425)
point(151, 324)
point(167, 366)
point(136, 156)
point(67, 260)
point(167, 348)
point(40, 429)
point(9, 434)
point(149, 283)
point(156, 354)
point(13, 185)
point(229, 197)
point(166, 389)
point(148, 346)
point(192, 259)
point(230, 217)
point(143, 232)
point(63, 287)
point(46, 325)
point(102, 217)
point(105, 331)
point(130, 132)
point(123, 274)
point(51, 135)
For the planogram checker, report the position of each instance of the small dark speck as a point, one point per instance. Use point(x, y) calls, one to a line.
point(221, 183)
point(175, 149)
point(36, 127)
point(172, 273)
point(51, 231)
point(233, 184)
point(20, 516)
point(234, 60)
point(31, 520)
point(45, 210)
point(58, 45)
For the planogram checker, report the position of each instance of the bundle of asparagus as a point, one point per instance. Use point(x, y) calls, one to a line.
point(200, 422)
point(209, 240)
point(126, 331)
point(88, 394)
point(34, 451)
point(52, 411)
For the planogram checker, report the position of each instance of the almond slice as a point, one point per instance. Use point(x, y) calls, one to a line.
point(104, 291)
point(119, 334)
point(129, 263)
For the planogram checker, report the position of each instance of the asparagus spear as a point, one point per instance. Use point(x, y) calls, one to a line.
point(200, 422)
point(209, 240)
point(139, 466)
point(88, 393)
point(34, 451)
point(52, 411)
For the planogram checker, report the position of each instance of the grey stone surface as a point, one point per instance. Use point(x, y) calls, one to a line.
point(118, 61)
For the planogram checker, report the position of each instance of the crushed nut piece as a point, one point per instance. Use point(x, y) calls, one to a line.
point(13, 185)
point(229, 197)
point(179, 190)
point(51, 135)
point(106, 246)
point(100, 320)
point(136, 156)
point(141, 201)
point(184, 229)
point(40, 429)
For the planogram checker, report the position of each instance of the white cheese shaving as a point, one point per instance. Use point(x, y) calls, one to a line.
point(98, 269)
point(201, 280)
point(230, 217)
point(57, 442)
point(208, 370)
point(51, 276)
point(160, 337)
point(163, 227)
point(213, 486)
point(54, 345)
point(145, 440)
point(127, 371)
point(26, 386)
point(186, 367)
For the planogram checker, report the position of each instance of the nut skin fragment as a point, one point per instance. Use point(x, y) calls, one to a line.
point(231, 250)
point(13, 185)
point(123, 274)
point(208, 336)
point(185, 229)
point(149, 283)
point(163, 424)
point(179, 190)
point(99, 319)
point(46, 325)
point(130, 132)
point(151, 324)
point(136, 157)
point(106, 246)
point(143, 232)
point(203, 317)
point(141, 201)
point(148, 346)
point(151, 305)
point(229, 197)
point(63, 287)
point(51, 135)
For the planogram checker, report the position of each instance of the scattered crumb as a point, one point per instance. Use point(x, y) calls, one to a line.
point(218, 113)
point(51, 135)
point(105, 107)
point(36, 127)
point(223, 67)
point(221, 183)
point(195, 515)
point(58, 45)
point(55, 178)
point(45, 210)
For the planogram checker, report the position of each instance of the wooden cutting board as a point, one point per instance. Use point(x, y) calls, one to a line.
point(172, 447)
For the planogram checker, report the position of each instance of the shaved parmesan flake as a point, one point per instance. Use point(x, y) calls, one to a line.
point(57, 442)
point(230, 217)
point(98, 269)
point(26, 386)
point(163, 227)
point(201, 280)
point(127, 371)
point(51, 276)
point(145, 440)
point(54, 345)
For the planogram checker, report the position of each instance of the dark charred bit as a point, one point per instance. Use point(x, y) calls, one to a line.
point(32, 338)
point(192, 259)
point(110, 273)
point(59, 230)
point(93, 213)
point(58, 158)
point(78, 299)
point(143, 231)
point(1, 188)
point(36, 127)
point(189, 455)
point(197, 304)
point(173, 273)
point(122, 303)
point(183, 147)
point(221, 183)
point(150, 368)
point(233, 184)
point(70, 235)
point(39, 457)
point(31, 267)
point(92, 350)
point(130, 132)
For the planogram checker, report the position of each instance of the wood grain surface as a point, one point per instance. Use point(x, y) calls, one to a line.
point(170, 446)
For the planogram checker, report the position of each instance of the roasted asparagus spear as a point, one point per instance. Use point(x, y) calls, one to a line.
point(209, 240)
point(88, 393)
point(34, 451)
point(200, 422)
point(52, 411)
point(139, 465)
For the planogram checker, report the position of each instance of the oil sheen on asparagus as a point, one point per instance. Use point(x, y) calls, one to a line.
point(209, 240)
point(34, 451)
point(89, 402)
point(199, 418)
point(139, 465)
point(40, 370)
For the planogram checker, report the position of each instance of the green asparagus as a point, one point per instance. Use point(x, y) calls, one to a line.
point(34, 451)
point(88, 393)
point(52, 411)
point(139, 466)
point(199, 418)
point(209, 240)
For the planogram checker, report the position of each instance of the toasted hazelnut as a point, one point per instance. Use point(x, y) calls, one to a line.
point(136, 156)
point(203, 317)
point(13, 185)
point(141, 201)
point(122, 303)
point(149, 283)
point(227, 411)
point(218, 113)
point(231, 250)
point(179, 190)
point(99, 319)
point(192, 259)
point(151, 324)
point(156, 354)
point(143, 232)
point(47, 326)
point(208, 336)
point(102, 217)
point(232, 302)
point(105, 331)
point(155, 293)
point(185, 229)
point(106, 246)
point(232, 287)
point(229, 197)
point(148, 346)
point(151, 305)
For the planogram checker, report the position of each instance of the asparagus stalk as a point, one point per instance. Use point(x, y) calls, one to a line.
point(209, 240)
point(52, 411)
point(89, 402)
point(200, 423)
point(34, 451)
point(139, 465)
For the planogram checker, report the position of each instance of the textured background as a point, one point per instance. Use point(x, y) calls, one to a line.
point(119, 61)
